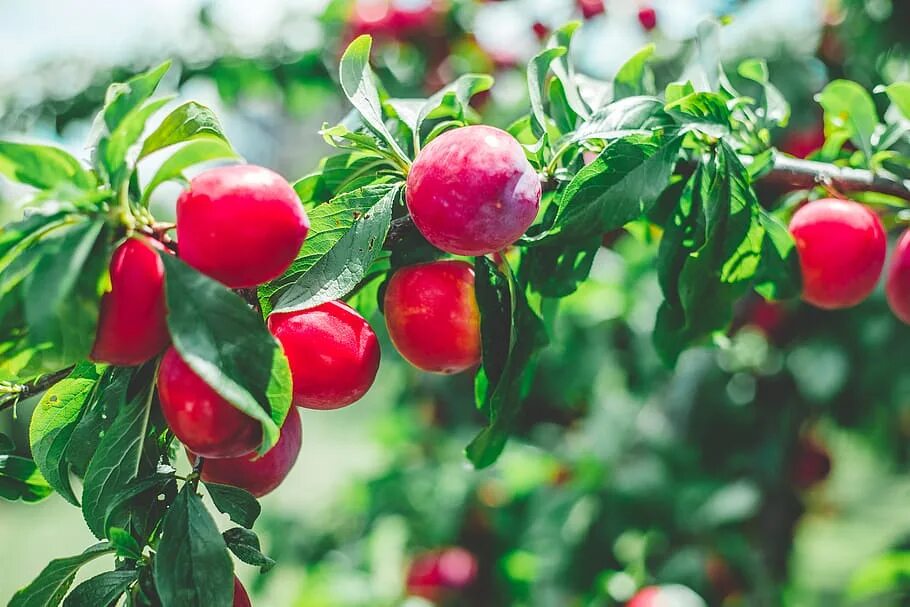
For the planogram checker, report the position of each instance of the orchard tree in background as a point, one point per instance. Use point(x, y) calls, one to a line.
point(463, 235)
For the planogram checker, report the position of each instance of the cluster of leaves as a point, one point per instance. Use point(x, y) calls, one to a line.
point(103, 424)
point(623, 474)
point(673, 163)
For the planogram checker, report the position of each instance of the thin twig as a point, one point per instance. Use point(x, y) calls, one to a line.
point(795, 172)
point(251, 297)
point(196, 474)
point(16, 393)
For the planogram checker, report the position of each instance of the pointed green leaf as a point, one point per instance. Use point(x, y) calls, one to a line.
point(42, 166)
point(192, 565)
point(346, 235)
point(102, 590)
point(53, 422)
point(357, 81)
point(115, 462)
point(635, 76)
point(123, 97)
point(228, 346)
point(899, 93)
point(502, 397)
point(237, 503)
point(622, 184)
point(193, 153)
point(245, 546)
point(849, 113)
point(51, 585)
point(63, 293)
point(188, 121)
point(21, 479)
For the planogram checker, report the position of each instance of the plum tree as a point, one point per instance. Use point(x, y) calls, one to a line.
point(332, 351)
point(201, 418)
point(471, 191)
point(897, 285)
point(242, 225)
point(432, 316)
point(258, 475)
point(413, 183)
point(842, 248)
point(132, 327)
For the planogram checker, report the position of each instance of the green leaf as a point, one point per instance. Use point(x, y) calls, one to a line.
point(775, 107)
point(502, 398)
point(42, 166)
point(632, 115)
point(453, 101)
point(899, 94)
point(102, 590)
point(879, 577)
point(237, 503)
point(123, 97)
point(849, 113)
point(564, 71)
point(677, 90)
point(114, 150)
point(124, 543)
point(538, 68)
point(51, 585)
point(193, 153)
point(346, 235)
point(557, 270)
point(6, 444)
point(116, 462)
point(635, 76)
point(564, 117)
point(245, 546)
point(228, 346)
point(192, 565)
point(17, 235)
point(491, 289)
point(63, 293)
point(357, 81)
point(778, 275)
point(189, 121)
point(141, 490)
point(335, 176)
point(53, 422)
point(709, 254)
point(98, 413)
point(706, 112)
point(622, 184)
point(21, 479)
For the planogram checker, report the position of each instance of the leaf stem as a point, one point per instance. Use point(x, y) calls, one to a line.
point(196, 474)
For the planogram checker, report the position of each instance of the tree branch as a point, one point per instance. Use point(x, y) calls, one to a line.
point(798, 173)
point(15, 393)
point(787, 171)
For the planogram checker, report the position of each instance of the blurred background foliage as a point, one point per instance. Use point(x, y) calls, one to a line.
point(769, 470)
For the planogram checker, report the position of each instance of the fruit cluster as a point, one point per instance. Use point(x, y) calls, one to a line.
point(244, 226)
point(842, 247)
